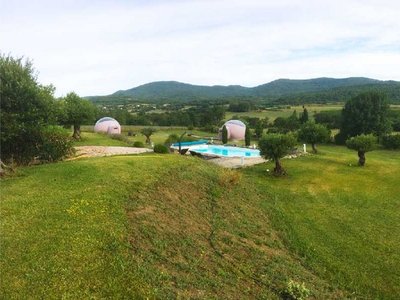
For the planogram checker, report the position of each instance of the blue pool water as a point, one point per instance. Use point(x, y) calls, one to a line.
point(226, 151)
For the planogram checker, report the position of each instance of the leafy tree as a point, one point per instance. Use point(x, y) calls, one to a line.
point(275, 146)
point(259, 130)
point(304, 116)
point(77, 111)
point(391, 141)
point(26, 109)
point(148, 132)
point(224, 135)
point(364, 114)
point(285, 125)
point(362, 144)
point(313, 133)
point(330, 118)
point(247, 136)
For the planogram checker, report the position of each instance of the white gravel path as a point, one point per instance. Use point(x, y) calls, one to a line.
point(95, 151)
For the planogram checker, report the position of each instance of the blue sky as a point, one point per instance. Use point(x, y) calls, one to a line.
point(98, 47)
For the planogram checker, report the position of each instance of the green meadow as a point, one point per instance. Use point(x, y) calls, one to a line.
point(168, 226)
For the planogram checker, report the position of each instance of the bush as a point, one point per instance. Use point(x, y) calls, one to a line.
point(160, 148)
point(138, 144)
point(55, 144)
point(120, 137)
point(296, 291)
point(131, 133)
point(340, 138)
point(391, 141)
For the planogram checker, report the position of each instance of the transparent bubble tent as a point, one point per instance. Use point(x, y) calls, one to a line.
point(236, 129)
point(107, 125)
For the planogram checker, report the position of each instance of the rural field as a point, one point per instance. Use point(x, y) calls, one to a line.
point(168, 226)
point(284, 112)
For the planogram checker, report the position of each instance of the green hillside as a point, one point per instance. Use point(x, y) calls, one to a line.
point(152, 226)
point(318, 90)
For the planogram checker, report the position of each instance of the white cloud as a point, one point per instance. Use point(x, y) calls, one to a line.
point(100, 47)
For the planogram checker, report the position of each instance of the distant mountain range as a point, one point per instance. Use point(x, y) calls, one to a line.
point(318, 90)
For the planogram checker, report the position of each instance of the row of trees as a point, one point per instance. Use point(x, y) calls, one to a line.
point(364, 121)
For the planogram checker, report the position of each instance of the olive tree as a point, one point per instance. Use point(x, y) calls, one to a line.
point(313, 133)
point(275, 146)
point(362, 144)
point(148, 132)
point(76, 112)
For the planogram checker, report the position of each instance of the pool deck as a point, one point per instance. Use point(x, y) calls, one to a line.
point(237, 162)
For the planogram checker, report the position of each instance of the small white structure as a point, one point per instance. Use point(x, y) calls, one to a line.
point(236, 129)
point(107, 125)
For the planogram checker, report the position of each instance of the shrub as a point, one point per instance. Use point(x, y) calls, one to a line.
point(340, 138)
point(224, 135)
point(160, 148)
point(138, 144)
point(247, 136)
point(55, 144)
point(391, 141)
point(296, 291)
point(131, 133)
point(120, 137)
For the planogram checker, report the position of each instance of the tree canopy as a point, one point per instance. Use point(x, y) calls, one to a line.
point(313, 133)
point(364, 114)
point(26, 107)
point(275, 146)
point(362, 143)
point(77, 111)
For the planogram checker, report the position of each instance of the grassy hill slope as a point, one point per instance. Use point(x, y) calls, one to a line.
point(170, 226)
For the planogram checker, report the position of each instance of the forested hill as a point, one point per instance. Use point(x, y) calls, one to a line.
point(318, 90)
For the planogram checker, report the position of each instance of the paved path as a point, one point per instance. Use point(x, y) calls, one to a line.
point(94, 151)
point(237, 162)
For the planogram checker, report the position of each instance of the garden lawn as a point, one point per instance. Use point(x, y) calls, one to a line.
point(146, 226)
point(98, 139)
point(343, 220)
point(167, 226)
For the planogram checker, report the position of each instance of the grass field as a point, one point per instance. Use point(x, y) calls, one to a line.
point(95, 139)
point(272, 114)
point(171, 226)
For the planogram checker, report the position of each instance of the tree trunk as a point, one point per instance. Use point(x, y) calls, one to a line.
point(77, 132)
point(148, 141)
point(278, 168)
point(314, 148)
point(361, 158)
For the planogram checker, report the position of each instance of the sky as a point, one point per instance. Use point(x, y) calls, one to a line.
point(96, 47)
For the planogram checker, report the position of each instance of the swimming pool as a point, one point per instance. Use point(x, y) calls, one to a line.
point(225, 151)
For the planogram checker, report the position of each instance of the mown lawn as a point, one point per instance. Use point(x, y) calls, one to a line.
point(90, 138)
point(342, 220)
point(170, 226)
point(97, 139)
